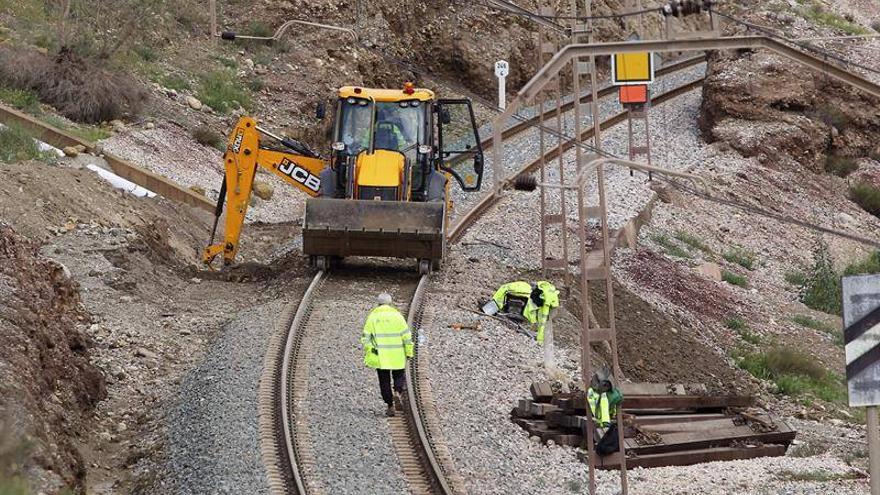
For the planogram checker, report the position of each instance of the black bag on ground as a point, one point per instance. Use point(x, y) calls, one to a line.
point(609, 443)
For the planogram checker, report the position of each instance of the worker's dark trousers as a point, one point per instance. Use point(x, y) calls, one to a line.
point(385, 383)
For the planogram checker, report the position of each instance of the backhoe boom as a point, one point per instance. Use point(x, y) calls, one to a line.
point(243, 156)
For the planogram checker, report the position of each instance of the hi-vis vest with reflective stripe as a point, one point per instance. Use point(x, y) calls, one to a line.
point(387, 339)
point(600, 402)
point(518, 288)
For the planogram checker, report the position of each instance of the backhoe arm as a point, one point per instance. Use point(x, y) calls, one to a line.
point(243, 156)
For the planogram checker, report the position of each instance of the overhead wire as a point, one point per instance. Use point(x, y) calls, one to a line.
point(516, 9)
point(806, 46)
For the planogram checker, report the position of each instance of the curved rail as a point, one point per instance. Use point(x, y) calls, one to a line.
point(416, 421)
point(526, 123)
point(486, 202)
point(283, 459)
point(284, 455)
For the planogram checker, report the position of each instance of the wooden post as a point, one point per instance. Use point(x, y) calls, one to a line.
point(874, 448)
point(212, 4)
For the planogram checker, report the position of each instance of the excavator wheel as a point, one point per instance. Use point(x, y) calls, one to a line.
point(322, 263)
point(424, 267)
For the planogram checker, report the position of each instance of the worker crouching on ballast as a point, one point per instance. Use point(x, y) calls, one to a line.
point(604, 401)
point(387, 343)
point(520, 300)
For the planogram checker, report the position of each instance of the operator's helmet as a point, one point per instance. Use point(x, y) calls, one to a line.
point(601, 380)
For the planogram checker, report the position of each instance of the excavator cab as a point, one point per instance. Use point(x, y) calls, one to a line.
point(386, 191)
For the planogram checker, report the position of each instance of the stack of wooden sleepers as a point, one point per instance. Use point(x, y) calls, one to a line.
point(666, 425)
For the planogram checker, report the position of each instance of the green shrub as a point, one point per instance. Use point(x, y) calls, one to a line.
point(259, 29)
point(808, 322)
point(670, 246)
point(17, 144)
point(796, 278)
point(742, 257)
point(833, 116)
point(222, 91)
point(868, 266)
point(13, 486)
point(22, 99)
point(867, 196)
point(256, 84)
point(795, 374)
point(816, 13)
point(789, 361)
point(692, 241)
point(822, 290)
point(229, 63)
point(749, 336)
point(735, 323)
point(146, 53)
point(176, 82)
point(840, 166)
point(733, 279)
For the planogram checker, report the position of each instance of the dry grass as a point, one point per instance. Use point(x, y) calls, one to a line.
point(80, 89)
point(206, 136)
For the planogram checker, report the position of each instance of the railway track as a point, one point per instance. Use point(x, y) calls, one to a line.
point(288, 442)
point(488, 200)
point(426, 466)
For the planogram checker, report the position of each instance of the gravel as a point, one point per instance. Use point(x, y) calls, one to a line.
point(213, 435)
point(524, 148)
point(170, 151)
point(477, 378)
point(346, 420)
point(512, 224)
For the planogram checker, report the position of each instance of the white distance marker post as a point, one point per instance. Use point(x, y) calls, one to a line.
point(502, 69)
point(861, 336)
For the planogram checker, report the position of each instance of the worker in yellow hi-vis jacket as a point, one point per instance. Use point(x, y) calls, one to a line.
point(387, 343)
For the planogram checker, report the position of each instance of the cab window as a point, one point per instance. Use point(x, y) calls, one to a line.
point(354, 125)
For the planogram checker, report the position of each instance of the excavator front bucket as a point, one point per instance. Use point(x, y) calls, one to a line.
point(394, 229)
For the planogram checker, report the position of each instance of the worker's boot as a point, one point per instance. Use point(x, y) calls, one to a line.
point(397, 403)
point(390, 411)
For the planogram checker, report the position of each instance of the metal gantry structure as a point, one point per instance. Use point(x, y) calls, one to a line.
point(597, 268)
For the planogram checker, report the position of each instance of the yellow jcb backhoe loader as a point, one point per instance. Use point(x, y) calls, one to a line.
point(385, 189)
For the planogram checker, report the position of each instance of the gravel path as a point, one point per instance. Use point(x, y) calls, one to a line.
point(213, 435)
point(349, 433)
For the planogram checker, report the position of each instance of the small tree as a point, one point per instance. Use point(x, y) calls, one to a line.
point(822, 290)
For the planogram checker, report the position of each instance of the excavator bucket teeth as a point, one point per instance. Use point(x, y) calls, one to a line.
point(395, 229)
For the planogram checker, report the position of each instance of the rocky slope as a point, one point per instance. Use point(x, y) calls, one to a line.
point(48, 387)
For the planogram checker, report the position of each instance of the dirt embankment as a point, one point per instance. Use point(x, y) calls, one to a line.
point(48, 387)
point(768, 107)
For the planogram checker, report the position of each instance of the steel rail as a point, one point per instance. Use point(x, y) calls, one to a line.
point(280, 451)
point(416, 419)
point(524, 123)
point(488, 200)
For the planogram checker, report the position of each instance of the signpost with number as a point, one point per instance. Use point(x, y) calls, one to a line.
point(861, 335)
point(502, 69)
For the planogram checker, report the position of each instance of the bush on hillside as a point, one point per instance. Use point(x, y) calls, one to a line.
point(822, 290)
point(867, 196)
point(840, 166)
point(81, 89)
